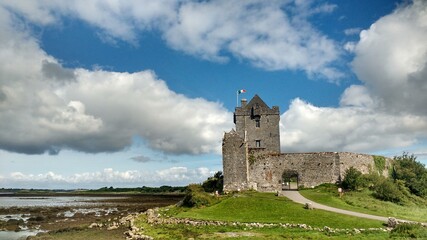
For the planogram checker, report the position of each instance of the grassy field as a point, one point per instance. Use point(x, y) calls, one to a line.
point(80, 233)
point(363, 202)
point(264, 208)
point(181, 231)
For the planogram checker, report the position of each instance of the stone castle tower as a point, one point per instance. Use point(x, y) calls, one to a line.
point(258, 124)
point(252, 158)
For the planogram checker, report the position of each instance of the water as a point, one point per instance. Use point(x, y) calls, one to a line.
point(8, 235)
point(6, 202)
point(79, 201)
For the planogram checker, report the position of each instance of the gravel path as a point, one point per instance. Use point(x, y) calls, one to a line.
point(297, 197)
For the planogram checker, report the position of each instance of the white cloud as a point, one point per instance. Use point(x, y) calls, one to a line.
point(352, 31)
point(388, 111)
point(274, 35)
point(358, 96)
point(391, 59)
point(305, 127)
point(260, 32)
point(350, 46)
point(45, 107)
point(108, 176)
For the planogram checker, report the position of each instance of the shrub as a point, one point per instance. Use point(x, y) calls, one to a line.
point(196, 197)
point(386, 190)
point(369, 180)
point(352, 179)
point(413, 173)
point(409, 230)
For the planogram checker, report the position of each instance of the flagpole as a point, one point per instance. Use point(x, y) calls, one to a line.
point(237, 96)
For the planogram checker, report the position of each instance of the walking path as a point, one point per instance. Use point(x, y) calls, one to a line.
point(297, 197)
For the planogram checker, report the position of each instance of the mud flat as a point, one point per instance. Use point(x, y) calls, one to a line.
point(72, 215)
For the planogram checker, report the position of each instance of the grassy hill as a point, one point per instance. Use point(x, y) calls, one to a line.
point(268, 208)
point(363, 201)
point(251, 207)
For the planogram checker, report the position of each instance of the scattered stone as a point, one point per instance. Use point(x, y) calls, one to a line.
point(93, 225)
point(112, 228)
point(308, 206)
point(392, 222)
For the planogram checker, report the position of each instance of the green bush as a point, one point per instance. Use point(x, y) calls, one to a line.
point(413, 173)
point(409, 230)
point(352, 179)
point(386, 190)
point(369, 180)
point(195, 196)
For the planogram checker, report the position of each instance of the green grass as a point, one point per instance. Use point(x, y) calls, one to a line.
point(259, 207)
point(364, 202)
point(181, 231)
point(267, 208)
point(80, 233)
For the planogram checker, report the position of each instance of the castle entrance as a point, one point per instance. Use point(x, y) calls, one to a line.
point(290, 180)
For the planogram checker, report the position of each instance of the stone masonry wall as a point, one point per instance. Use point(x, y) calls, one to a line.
point(234, 162)
point(266, 169)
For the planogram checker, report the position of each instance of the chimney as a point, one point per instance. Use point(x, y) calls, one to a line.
point(243, 102)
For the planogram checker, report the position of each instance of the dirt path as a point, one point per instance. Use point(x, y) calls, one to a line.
point(297, 197)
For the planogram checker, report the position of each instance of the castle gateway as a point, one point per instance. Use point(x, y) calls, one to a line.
point(252, 159)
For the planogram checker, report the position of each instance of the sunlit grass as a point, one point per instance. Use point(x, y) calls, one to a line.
point(266, 207)
point(364, 202)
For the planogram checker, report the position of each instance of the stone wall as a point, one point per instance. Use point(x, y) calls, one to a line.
point(362, 162)
point(312, 168)
point(234, 152)
point(266, 169)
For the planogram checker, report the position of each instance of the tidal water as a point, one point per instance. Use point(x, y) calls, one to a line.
point(9, 235)
point(6, 202)
point(77, 201)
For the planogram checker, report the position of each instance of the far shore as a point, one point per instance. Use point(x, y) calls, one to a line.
point(92, 194)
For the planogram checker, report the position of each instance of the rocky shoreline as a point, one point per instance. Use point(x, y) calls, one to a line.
point(112, 214)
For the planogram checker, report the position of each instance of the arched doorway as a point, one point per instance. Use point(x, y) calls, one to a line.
point(290, 180)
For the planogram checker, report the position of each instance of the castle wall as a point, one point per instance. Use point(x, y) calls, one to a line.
point(362, 162)
point(234, 152)
point(266, 169)
point(313, 169)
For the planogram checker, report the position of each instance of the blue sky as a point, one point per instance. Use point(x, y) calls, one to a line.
point(133, 93)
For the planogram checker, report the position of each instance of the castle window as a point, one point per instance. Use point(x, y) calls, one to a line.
point(257, 123)
point(258, 143)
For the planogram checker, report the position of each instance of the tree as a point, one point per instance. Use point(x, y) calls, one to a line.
point(413, 173)
point(214, 183)
point(352, 179)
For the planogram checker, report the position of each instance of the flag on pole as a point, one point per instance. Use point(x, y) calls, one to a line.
point(237, 96)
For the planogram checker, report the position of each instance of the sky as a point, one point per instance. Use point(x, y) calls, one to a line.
point(139, 93)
